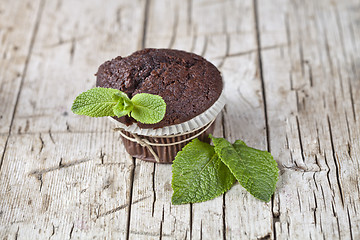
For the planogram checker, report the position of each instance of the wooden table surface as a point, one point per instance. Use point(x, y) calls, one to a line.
point(292, 80)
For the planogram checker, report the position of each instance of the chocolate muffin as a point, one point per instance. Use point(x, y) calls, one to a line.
point(188, 83)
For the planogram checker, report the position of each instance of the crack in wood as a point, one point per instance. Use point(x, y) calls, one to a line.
point(154, 191)
point(328, 171)
point(350, 227)
point(266, 237)
point(39, 177)
point(251, 51)
point(323, 197)
point(148, 234)
point(53, 231)
point(352, 99)
point(349, 149)
point(108, 183)
point(318, 138)
point(161, 224)
point(71, 231)
point(72, 49)
point(300, 168)
point(348, 127)
point(132, 174)
point(275, 219)
point(17, 233)
point(314, 210)
point(121, 207)
point(61, 42)
point(224, 217)
point(51, 137)
point(340, 78)
point(299, 199)
point(317, 163)
point(42, 144)
point(145, 22)
point(337, 164)
point(311, 81)
point(301, 53)
point(224, 135)
point(102, 156)
point(339, 228)
point(260, 67)
point(300, 139)
point(67, 127)
point(191, 220)
point(60, 166)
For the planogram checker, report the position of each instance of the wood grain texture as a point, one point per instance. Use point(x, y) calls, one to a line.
point(229, 41)
point(73, 185)
point(17, 28)
point(292, 81)
point(313, 115)
point(72, 41)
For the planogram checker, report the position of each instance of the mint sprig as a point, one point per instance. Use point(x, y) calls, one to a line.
point(100, 102)
point(255, 170)
point(197, 176)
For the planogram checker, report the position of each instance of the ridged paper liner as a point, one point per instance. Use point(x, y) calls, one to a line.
point(194, 123)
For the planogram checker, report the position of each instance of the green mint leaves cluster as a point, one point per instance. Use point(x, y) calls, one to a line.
point(202, 172)
point(100, 102)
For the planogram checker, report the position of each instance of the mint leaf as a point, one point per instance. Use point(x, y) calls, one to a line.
point(96, 102)
point(124, 106)
point(198, 174)
point(148, 108)
point(255, 170)
point(101, 102)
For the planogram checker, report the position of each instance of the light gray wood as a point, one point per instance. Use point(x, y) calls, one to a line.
point(17, 27)
point(310, 77)
point(291, 75)
point(73, 39)
point(224, 43)
point(73, 185)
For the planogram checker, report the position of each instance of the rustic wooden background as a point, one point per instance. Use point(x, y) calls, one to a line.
point(292, 79)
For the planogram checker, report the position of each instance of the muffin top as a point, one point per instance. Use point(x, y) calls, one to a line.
point(188, 83)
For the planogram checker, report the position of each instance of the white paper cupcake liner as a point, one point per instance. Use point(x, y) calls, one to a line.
point(190, 125)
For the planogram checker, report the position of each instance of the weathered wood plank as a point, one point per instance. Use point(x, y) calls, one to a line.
point(312, 113)
point(17, 23)
point(228, 39)
point(65, 176)
point(65, 185)
point(3, 138)
point(74, 38)
point(156, 218)
point(85, 198)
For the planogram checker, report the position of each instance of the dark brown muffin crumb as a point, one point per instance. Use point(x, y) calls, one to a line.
point(187, 82)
